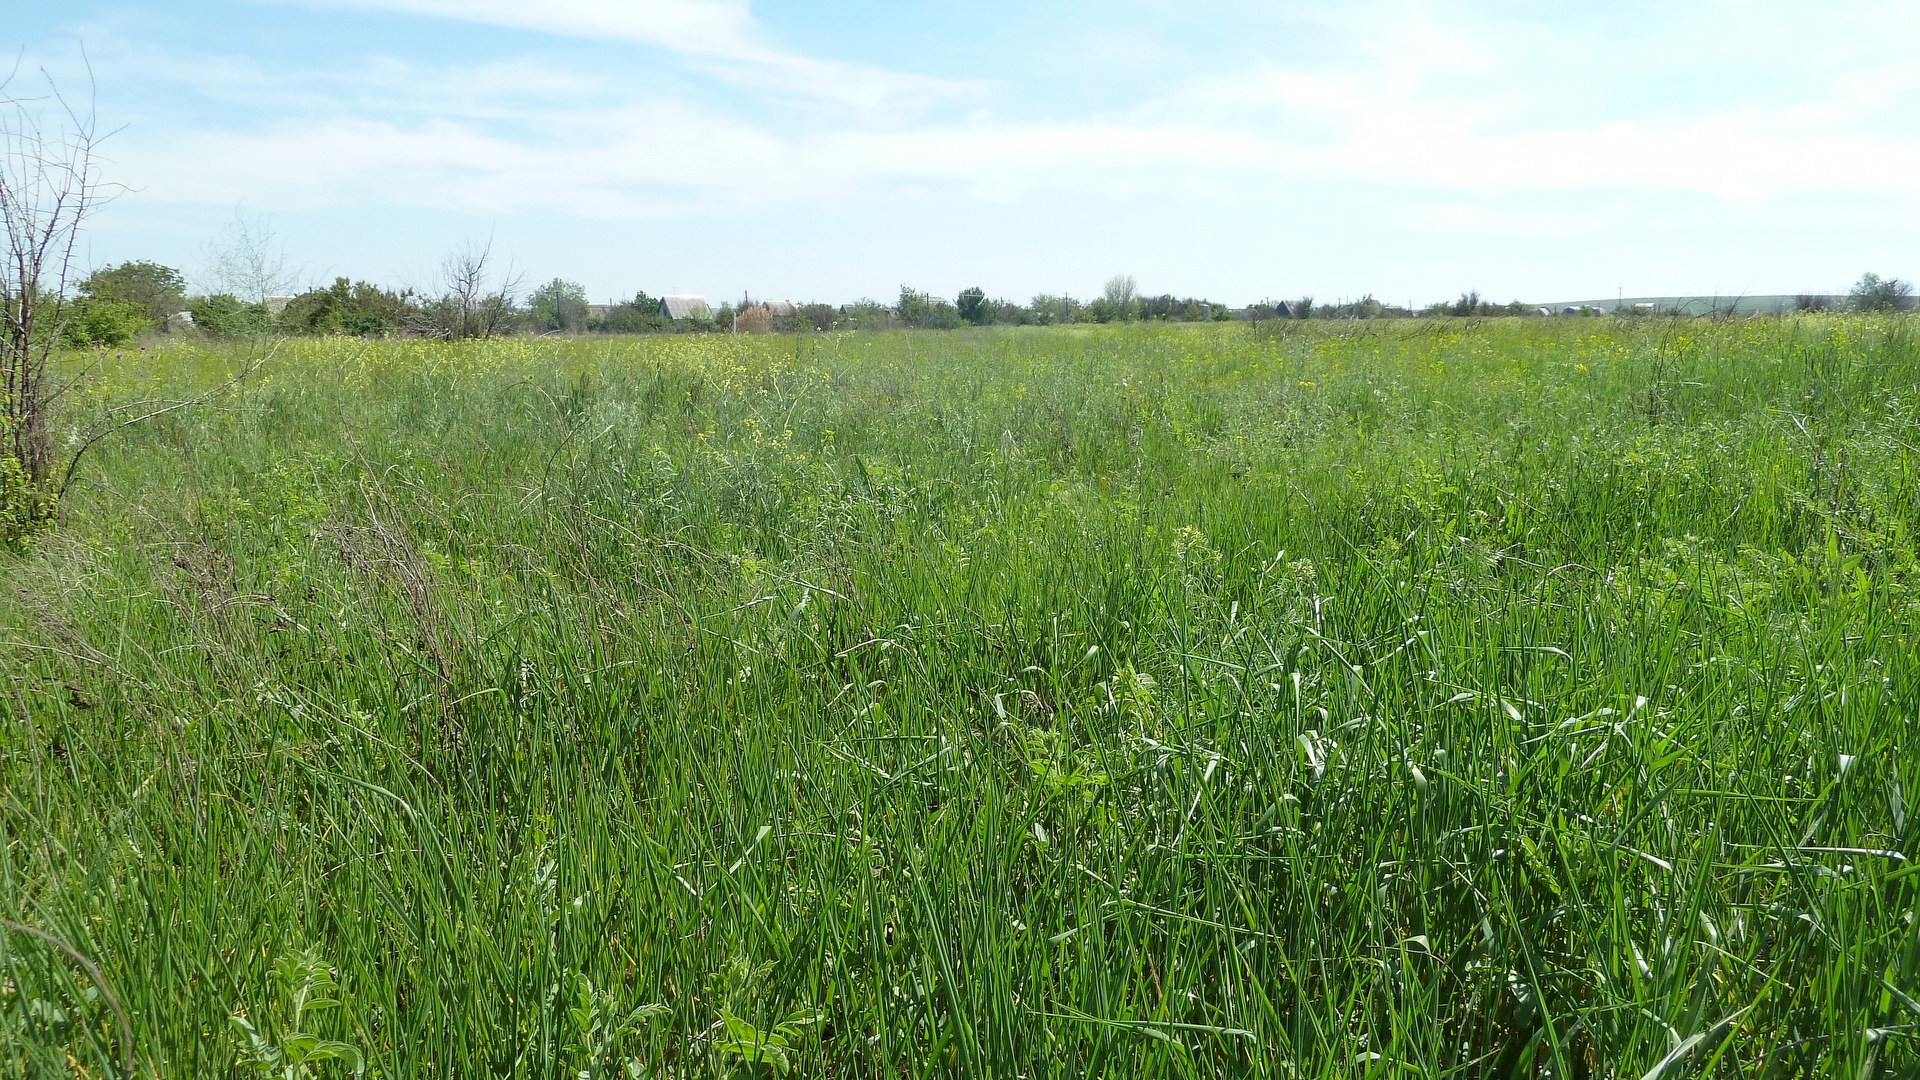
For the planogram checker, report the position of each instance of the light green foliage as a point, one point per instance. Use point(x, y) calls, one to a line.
point(26, 509)
point(558, 307)
point(973, 306)
point(1446, 699)
point(277, 1046)
point(602, 1029)
point(102, 322)
point(739, 987)
point(916, 308)
point(351, 308)
point(224, 315)
point(155, 291)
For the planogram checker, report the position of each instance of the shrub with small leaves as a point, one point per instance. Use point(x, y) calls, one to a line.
point(602, 1031)
point(275, 1044)
point(26, 508)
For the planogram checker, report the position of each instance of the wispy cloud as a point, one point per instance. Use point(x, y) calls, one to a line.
point(721, 36)
point(504, 138)
point(1440, 115)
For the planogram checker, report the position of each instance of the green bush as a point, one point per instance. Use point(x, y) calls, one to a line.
point(641, 315)
point(355, 308)
point(1873, 293)
point(26, 508)
point(225, 315)
point(103, 322)
point(821, 316)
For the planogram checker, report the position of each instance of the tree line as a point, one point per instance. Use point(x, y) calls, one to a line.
point(118, 303)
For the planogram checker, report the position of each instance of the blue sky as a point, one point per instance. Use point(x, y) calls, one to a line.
point(1410, 149)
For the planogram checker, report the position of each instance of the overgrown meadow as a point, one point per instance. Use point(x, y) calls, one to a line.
point(1442, 699)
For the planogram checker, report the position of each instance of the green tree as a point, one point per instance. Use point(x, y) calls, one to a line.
point(558, 307)
point(820, 316)
point(1877, 294)
point(917, 309)
point(973, 307)
point(1048, 309)
point(102, 322)
point(158, 291)
point(914, 306)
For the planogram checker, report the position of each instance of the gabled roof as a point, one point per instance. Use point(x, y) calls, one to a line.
point(685, 307)
point(782, 309)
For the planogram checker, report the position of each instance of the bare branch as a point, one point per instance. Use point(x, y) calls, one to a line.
point(49, 185)
point(249, 260)
point(472, 302)
point(73, 463)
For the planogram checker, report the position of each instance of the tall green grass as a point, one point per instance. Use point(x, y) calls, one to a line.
point(1518, 698)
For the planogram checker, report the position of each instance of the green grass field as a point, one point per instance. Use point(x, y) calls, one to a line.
point(1516, 698)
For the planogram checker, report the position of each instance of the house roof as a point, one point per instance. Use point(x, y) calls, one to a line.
point(685, 307)
point(783, 309)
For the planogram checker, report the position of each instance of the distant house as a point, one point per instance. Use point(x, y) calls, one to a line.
point(784, 312)
point(1543, 312)
point(681, 308)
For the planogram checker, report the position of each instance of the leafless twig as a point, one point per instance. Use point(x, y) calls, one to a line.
point(49, 185)
point(112, 428)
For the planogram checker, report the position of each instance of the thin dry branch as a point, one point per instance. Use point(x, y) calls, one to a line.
point(49, 185)
point(73, 463)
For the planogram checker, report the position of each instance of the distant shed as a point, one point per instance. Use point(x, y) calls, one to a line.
point(680, 308)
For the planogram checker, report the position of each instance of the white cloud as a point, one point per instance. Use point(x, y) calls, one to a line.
point(519, 137)
point(1420, 115)
point(721, 34)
